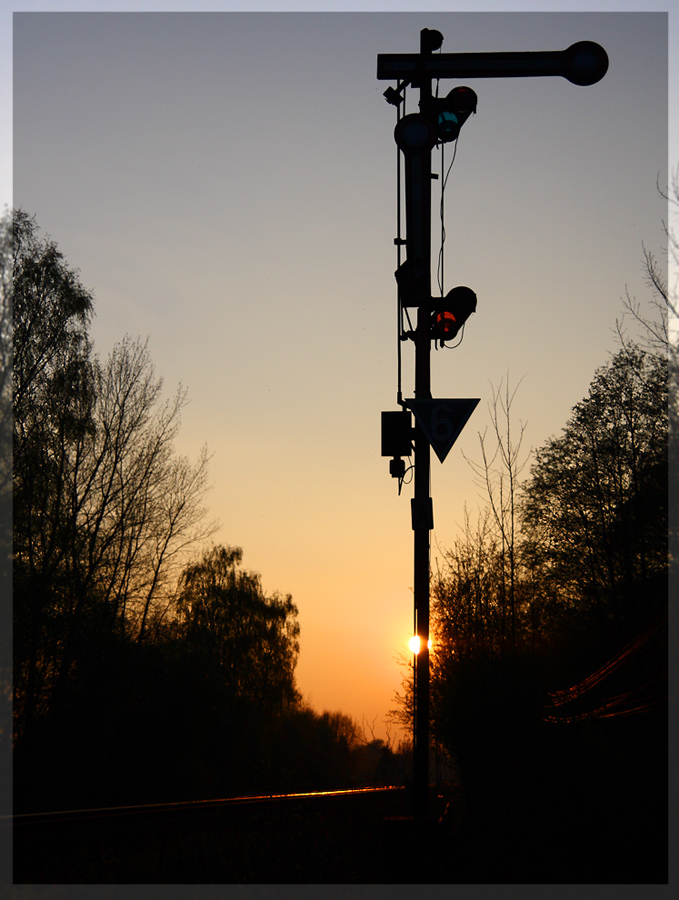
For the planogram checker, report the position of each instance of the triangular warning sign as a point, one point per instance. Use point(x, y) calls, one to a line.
point(442, 421)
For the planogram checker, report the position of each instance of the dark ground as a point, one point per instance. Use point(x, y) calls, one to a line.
point(583, 806)
point(354, 840)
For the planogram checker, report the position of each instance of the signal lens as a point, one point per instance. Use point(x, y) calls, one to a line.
point(446, 323)
point(448, 123)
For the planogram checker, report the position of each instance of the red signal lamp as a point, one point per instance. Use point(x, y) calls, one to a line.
point(446, 325)
point(450, 313)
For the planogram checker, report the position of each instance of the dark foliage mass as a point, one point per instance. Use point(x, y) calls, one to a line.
point(147, 668)
point(550, 629)
point(5, 505)
point(595, 506)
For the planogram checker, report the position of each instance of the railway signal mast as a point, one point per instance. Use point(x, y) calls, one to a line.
point(439, 422)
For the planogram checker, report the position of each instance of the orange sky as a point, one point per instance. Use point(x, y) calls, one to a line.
point(226, 185)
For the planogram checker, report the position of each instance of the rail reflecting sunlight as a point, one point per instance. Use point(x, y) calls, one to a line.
point(183, 804)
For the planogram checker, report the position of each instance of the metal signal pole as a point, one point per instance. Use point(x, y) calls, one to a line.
point(418, 249)
point(439, 422)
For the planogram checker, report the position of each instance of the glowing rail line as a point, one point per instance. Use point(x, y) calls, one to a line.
point(72, 815)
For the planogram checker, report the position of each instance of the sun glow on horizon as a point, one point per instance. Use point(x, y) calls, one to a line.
point(415, 642)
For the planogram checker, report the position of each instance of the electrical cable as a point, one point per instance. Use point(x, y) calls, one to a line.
point(402, 480)
point(444, 181)
point(441, 259)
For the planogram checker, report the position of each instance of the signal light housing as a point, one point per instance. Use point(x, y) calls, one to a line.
point(450, 313)
point(451, 112)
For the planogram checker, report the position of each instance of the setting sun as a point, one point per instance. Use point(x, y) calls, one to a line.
point(414, 644)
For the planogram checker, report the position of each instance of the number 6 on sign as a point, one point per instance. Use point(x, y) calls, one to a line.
point(442, 421)
point(441, 424)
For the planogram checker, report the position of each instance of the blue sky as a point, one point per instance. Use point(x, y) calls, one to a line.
point(226, 184)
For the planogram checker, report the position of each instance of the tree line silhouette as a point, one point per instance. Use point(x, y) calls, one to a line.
point(549, 667)
point(149, 665)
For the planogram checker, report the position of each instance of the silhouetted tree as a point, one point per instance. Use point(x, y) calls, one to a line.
point(595, 504)
point(499, 473)
point(5, 481)
point(6, 241)
point(659, 333)
point(52, 395)
point(103, 507)
point(139, 506)
point(253, 637)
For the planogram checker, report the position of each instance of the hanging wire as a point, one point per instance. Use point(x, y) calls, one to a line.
point(441, 259)
point(444, 181)
point(405, 479)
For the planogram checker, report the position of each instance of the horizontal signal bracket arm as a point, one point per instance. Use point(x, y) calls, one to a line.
point(582, 63)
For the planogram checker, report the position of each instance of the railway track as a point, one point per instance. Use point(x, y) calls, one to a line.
point(315, 837)
point(76, 815)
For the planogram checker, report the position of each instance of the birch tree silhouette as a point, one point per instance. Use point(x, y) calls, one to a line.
point(104, 509)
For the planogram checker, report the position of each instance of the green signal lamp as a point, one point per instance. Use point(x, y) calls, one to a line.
point(452, 111)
